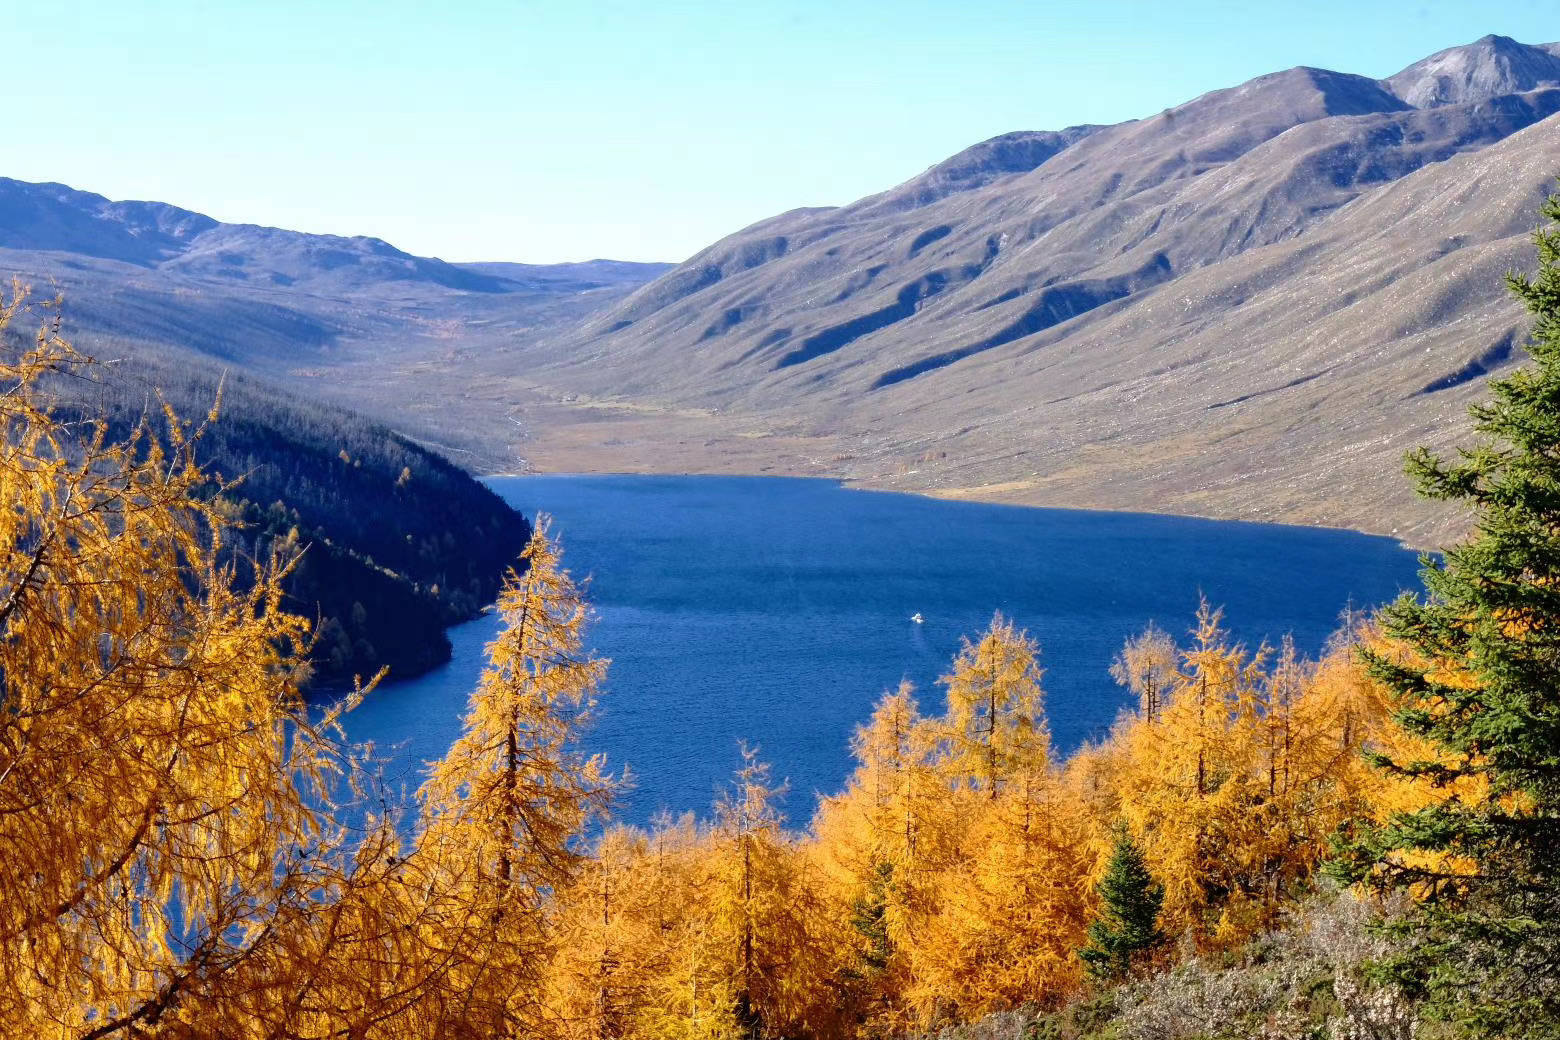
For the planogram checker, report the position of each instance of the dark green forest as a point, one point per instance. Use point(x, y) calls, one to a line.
point(398, 543)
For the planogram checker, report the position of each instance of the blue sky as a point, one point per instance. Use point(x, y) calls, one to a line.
point(571, 129)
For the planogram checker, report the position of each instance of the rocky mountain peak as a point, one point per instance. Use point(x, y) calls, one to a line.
point(1491, 67)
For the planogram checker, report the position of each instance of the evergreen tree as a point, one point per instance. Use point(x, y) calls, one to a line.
point(869, 918)
point(1129, 914)
point(1480, 682)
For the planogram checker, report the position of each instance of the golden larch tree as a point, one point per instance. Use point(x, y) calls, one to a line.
point(1146, 665)
point(869, 843)
point(503, 813)
point(164, 793)
point(764, 915)
point(1010, 911)
point(609, 925)
point(994, 700)
point(1182, 780)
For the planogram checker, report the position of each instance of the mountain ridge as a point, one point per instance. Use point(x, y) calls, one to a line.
point(1038, 318)
point(859, 319)
point(52, 217)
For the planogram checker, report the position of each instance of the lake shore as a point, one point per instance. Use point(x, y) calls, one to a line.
point(574, 434)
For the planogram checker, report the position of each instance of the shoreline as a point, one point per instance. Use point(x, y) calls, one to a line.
point(969, 495)
point(553, 434)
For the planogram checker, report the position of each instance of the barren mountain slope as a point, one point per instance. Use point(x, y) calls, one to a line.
point(803, 291)
point(1247, 305)
point(150, 279)
point(1284, 383)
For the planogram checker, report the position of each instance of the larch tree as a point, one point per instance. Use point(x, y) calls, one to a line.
point(1354, 713)
point(994, 707)
point(1185, 783)
point(1479, 686)
point(163, 790)
point(1278, 847)
point(503, 813)
point(688, 985)
point(1010, 909)
point(1315, 718)
point(864, 841)
point(886, 756)
point(766, 912)
point(609, 934)
point(1281, 697)
point(1146, 665)
point(1214, 691)
point(749, 823)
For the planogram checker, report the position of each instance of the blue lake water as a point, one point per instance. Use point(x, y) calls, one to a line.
point(778, 610)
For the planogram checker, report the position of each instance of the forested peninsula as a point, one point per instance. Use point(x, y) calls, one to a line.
point(394, 543)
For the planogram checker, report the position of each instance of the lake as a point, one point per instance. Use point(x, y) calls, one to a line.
point(778, 610)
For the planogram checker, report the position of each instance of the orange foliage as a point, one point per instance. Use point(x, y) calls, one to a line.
point(169, 865)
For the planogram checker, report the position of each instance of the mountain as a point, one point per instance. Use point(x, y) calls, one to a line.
point(1492, 67)
point(58, 219)
point(1129, 316)
point(1247, 305)
point(157, 282)
point(397, 543)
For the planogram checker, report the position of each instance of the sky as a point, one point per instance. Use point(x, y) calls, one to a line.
point(575, 129)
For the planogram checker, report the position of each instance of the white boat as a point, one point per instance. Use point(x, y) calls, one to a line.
point(917, 618)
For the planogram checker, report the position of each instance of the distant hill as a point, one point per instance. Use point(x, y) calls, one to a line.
point(63, 226)
point(158, 281)
point(55, 218)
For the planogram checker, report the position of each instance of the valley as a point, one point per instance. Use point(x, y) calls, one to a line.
point(1248, 307)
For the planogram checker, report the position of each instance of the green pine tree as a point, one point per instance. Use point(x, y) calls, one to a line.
point(869, 917)
point(1483, 684)
point(1128, 921)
